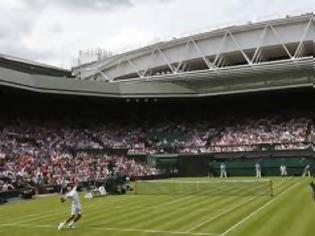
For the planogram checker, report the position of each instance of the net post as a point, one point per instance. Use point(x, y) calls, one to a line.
point(136, 186)
point(271, 188)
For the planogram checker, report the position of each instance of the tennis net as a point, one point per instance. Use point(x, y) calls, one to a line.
point(212, 187)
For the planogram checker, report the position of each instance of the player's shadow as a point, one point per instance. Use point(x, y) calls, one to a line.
point(70, 229)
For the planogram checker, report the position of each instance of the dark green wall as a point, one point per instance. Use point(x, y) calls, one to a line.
point(270, 166)
point(243, 164)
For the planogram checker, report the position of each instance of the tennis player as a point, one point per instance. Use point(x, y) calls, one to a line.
point(258, 170)
point(307, 171)
point(73, 196)
point(223, 173)
point(283, 170)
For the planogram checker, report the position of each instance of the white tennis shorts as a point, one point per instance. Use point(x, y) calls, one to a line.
point(75, 210)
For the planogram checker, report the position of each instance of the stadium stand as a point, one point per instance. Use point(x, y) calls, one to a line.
point(109, 116)
point(48, 149)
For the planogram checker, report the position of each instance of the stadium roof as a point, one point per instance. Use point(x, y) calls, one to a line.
point(31, 67)
point(213, 33)
point(268, 55)
point(286, 38)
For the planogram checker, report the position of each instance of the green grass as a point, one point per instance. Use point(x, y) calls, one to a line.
point(291, 212)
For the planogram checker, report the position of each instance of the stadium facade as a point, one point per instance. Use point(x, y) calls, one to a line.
point(269, 55)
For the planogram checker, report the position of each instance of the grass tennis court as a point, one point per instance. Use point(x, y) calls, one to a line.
point(291, 212)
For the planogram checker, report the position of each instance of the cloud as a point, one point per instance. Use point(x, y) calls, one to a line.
point(96, 4)
point(81, 4)
point(53, 31)
point(20, 17)
point(17, 21)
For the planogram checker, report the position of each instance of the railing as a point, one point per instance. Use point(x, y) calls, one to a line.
point(260, 147)
point(179, 149)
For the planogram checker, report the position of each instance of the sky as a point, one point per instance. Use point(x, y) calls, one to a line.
point(54, 31)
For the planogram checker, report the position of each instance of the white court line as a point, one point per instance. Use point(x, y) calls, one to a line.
point(218, 215)
point(164, 204)
point(178, 200)
point(158, 207)
point(56, 212)
point(97, 216)
point(224, 212)
point(258, 210)
point(207, 181)
point(115, 229)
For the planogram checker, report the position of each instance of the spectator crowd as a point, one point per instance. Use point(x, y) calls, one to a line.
point(50, 152)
